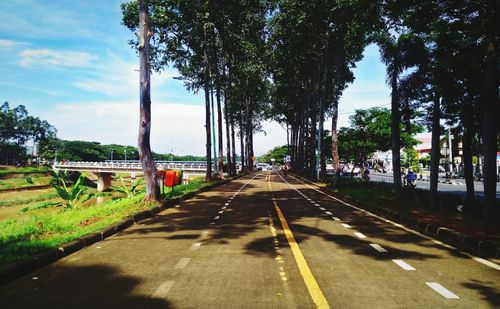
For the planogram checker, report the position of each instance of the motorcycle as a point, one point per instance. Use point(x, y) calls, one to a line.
point(410, 180)
point(366, 176)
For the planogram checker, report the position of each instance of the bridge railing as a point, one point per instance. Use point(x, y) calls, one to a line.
point(128, 165)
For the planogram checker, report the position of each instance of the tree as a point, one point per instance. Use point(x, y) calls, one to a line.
point(277, 153)
point(370, 131)
point(145, 156)
point(309, 78)
point(17, 127)
point(398, 55)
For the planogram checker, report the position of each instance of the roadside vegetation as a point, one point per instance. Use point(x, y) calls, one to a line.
point(6, 171)
point(49, 218)
point(25, 182)
point(414, 202)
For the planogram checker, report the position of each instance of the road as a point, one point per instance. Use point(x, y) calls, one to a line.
point(262, 242)
point(457, 186)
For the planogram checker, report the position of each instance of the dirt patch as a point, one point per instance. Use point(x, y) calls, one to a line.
point(88, 222)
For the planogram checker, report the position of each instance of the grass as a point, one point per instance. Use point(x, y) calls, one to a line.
point(11, 170)
point(21, 237)
point(27, 200)
point(41, 205)
point(193, 185)
point(415, 202)
point(23, 182)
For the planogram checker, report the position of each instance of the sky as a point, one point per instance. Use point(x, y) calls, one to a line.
point(69, 62)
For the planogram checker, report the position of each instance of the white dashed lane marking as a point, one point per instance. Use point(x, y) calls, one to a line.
point(216, 217)
point(347, 226)
point(359, 235)
point(442, 290)
point(322, 208)
point(195, 246)
point(183, 263)
point(336, 219)
point(403, 265)
point(328, 213)
point(163, 289)
point(378, 248)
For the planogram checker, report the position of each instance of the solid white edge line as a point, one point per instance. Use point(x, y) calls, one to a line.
point(442, 290)
point(477, 259)
point(403, 265)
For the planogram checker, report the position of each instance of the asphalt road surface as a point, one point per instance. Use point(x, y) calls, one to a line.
point(262, 242)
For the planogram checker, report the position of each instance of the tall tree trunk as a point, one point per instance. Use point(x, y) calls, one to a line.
point(491, 115)
point(395, 134)
point(233, 145)
point(468, 173)
point(313, 142)
point(435, 154)
point(249, 133)
point(220, 165)
point(228, 136)
point(242, 148)
point(145, 156)
point(335, 139)
point(214, 141)
point(208, 175)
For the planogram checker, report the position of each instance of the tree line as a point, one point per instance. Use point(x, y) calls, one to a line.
point(291, 60)
point(24, 137)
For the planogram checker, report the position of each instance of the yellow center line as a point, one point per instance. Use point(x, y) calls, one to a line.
point(311, 283)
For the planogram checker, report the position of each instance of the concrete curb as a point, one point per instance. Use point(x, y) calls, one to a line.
point(486, 248)
point(15, 270)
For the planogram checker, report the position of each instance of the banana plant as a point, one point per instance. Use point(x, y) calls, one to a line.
point(73, 195)
point(131, 190)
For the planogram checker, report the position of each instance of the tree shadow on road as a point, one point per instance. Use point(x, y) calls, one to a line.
point(89, 286)
point(487, 290)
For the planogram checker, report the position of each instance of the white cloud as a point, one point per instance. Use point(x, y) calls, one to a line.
point(275, 136)
point(119, 77)
point(50, 57)
point(173, 125)
point(10, 44)
point(30, 88)
point(177, 126)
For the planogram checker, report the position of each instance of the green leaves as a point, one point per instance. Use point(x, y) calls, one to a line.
point(72, 195)
point(131, 190)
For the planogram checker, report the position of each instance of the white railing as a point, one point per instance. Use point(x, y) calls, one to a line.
point(125, 166)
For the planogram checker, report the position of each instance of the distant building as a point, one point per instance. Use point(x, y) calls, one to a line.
point(424, 148)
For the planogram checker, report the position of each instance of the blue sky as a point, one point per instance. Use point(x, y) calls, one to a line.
point(69, 63)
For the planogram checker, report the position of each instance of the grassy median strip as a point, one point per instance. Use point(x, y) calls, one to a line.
point(4, 171)
point(22, 237)
point(24, 182)
point(27, 200)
